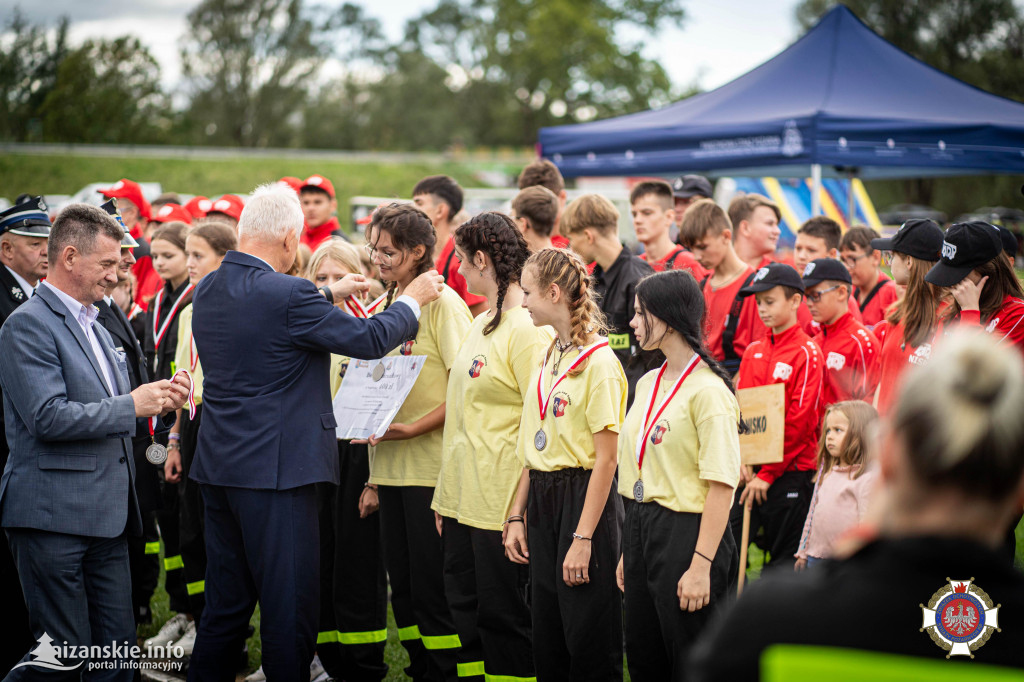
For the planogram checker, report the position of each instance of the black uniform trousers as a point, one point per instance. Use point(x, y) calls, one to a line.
point(777, 524)
point(415, 563)
point(144, 550)
point(657, 548)
point(190, 518)
point(261, 546)
point(577, 631)
point(353, 586)
point(488, 601)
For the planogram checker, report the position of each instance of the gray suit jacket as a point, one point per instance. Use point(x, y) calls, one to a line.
point(70, 469)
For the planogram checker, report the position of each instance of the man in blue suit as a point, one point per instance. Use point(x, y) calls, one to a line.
point(268, 433)
point(67, 497)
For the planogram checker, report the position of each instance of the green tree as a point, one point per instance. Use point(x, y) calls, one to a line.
point(249, 65)
point(106, 91)
point(28, 71)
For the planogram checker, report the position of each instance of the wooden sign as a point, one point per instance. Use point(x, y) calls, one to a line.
point(763, 411)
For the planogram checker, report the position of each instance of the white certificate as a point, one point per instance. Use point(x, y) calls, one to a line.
point(372, 392)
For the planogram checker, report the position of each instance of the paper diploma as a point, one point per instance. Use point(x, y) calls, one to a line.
point(365, 406)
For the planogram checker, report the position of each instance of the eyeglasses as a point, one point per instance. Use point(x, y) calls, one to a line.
point(385, 258)
point(815, 296)
point(851, 261)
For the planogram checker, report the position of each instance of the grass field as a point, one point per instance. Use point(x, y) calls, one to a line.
point(394, 654)
point(66, 175)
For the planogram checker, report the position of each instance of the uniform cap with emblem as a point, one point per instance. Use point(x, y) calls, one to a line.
point(771, 276)
point(27, 218)
point(318, 182)
point(918, 237)
point(825, 270)
point(198, 207)
point(692, 186)
point(229, 204)
point(169, 213)
point(110, 206)
point(967, 246)
point(130, 190)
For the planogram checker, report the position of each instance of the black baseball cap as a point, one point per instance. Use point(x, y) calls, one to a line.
point(918, 237)
point(773, 275)
point(966, 246)
point(692, 185)
point(825, 270)
point(1008, 239)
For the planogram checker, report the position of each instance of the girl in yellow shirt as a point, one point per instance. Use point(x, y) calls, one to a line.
point(679, 463)
point(353, 594)
point(566, 505)
point(205, 248)
point(405, 462)
point(480, 467)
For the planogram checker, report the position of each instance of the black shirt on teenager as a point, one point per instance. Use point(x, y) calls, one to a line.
point(615, 289)
point(871, 601)
point(159, 361)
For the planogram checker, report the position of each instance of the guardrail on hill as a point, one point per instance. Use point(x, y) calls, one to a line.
point(502, 155)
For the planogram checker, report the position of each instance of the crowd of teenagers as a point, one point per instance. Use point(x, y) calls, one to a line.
point(563, 487)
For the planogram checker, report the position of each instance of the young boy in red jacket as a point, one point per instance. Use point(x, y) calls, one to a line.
point(818, 237)
point(851, 351)
point(731, 321)
point(782, 491)
point(873, 291)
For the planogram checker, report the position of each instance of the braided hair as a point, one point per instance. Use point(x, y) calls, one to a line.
point(675, 298)
point(408, 227)
point(569, 272)
point(496, 236)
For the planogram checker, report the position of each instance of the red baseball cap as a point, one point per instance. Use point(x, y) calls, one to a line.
point(168, 213)
point(198, 206)
point(318, 182)
point(229, 204)
point(293, 182)
point(130, 190)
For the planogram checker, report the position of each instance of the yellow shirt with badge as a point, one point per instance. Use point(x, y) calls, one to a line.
point(580, 406)
point(695, 441)
point(490, 379)
point(186, 352)
point(417, 461)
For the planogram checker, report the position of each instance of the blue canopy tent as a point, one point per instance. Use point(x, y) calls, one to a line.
point(841, 99)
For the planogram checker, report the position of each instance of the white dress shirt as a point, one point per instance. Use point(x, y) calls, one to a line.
point(86, 316)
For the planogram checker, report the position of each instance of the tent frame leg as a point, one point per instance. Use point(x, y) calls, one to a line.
point(815, 189)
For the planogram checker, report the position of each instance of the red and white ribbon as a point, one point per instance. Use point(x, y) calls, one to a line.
point(191, 401)
point(648, 424)
point(355, 306)
point(372, 308)
point(584, 354)
point(158, 334)
point(135, 310)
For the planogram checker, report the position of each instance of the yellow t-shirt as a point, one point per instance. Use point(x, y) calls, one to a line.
point(186, 353)
point(339, 363)
point(417, 461)
point(490, 379)
point(694, 441)
point(580, 406)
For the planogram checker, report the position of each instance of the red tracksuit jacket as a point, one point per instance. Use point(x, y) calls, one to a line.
point(1007, 324)
point(793, 359)
point(852, 364)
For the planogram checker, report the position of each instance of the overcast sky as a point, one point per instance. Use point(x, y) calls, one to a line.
point(718, 41)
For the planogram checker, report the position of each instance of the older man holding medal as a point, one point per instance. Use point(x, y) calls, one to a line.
point(268, 432)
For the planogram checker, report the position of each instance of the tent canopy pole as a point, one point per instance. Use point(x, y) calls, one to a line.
point(815, 189)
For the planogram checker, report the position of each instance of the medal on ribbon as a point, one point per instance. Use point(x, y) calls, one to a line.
point(647, 425)
point(540, 439)
point(158, 334)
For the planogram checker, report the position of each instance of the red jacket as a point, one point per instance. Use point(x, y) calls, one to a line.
point(448, 266)
point(1007, 323)
point(793, 359)
point(717, 303)
point(678, 259)
point(873, 310)
point(851, 355)
point(147, 282)
point(896, 357)
point(315, 236)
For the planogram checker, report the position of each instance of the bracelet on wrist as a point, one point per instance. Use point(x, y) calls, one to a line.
point(173, 446)
point(514, 519)
point(328, 294)
point(577, 536)
point(173, 436)
point(704, 556)
point(371, 486)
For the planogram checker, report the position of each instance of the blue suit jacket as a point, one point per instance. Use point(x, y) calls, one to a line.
point(70, 468)
point(265, 340)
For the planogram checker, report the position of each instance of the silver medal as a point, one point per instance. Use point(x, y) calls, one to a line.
point(540, 439)
point(378, 371)
point(638, 491)
point(156, 454)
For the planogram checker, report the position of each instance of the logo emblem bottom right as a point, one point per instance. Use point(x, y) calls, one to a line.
point(960, 617)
